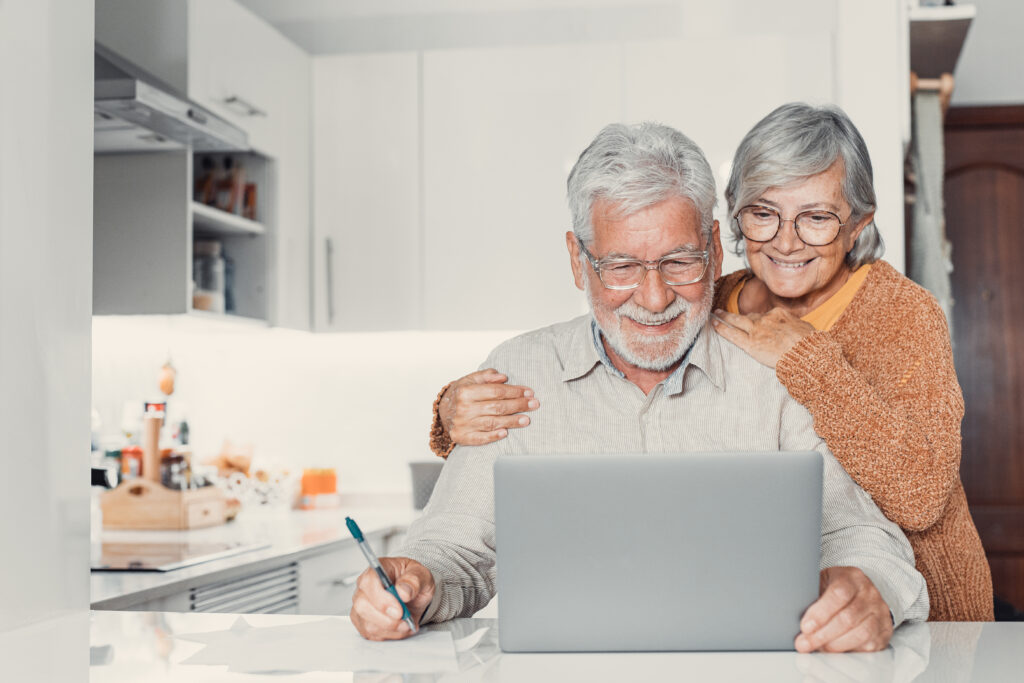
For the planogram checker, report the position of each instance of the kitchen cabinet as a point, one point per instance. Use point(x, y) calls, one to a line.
point(502, 128)
point(247, 72)
point(440, 184)
point(146, 221)
point(368, 262)
point(316, 583)
point(145, 225)
point(309, 566)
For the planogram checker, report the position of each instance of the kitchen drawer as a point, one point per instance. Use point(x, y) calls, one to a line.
point(328, 580)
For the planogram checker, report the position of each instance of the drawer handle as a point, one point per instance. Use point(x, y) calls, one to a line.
point(243, 107)
point(347, 580)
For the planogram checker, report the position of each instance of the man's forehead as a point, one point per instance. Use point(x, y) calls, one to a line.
point(672, 223)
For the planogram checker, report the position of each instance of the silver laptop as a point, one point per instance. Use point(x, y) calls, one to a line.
point(654, 552)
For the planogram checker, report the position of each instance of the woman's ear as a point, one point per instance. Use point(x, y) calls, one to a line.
point(851, 237)
point(715, 246)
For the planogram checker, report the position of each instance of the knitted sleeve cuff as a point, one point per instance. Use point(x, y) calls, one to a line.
point(805, 367)
point(440, 442)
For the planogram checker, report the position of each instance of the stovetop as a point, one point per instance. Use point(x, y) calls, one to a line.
point(165, 556)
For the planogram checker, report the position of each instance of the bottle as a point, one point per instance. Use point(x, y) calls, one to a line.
point(230, 187)
point(208, 276)
point(206, 184)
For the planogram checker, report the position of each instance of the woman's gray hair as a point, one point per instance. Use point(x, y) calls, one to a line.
point(635, 167)
point(797, 141)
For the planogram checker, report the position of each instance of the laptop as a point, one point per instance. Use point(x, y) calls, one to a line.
point(656, 552)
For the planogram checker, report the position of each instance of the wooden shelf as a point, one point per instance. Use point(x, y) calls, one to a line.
point(209, 219)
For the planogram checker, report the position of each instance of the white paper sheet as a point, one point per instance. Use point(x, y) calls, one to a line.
point(330, 644)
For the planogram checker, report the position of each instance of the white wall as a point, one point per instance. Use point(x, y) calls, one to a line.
point(46, 63)
point(991, 63)
point(357, 402)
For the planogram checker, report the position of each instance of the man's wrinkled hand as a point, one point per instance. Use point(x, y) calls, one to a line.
point(480, 408)
point(375, 612)
point(849, 616)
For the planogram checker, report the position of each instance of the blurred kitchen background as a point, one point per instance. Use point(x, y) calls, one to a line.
point(408, 162)
point(381, 201)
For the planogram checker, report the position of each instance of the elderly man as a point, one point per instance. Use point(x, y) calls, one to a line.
point(645, 373)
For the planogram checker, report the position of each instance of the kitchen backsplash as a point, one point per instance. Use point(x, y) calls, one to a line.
point(357, 402)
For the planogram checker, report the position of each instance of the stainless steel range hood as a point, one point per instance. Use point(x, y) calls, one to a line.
point(136, 112)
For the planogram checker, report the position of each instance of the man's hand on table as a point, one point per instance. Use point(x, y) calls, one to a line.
point(849, 616)
point(375, 612)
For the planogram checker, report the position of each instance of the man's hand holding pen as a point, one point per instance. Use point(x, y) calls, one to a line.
point(376, 613)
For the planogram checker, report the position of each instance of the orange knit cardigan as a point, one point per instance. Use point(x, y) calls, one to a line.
point(883, 392)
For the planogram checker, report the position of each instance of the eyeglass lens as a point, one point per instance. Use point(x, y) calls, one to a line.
point(674, 271)
point(815, 228)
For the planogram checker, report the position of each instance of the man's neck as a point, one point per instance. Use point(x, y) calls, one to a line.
point(645, 379)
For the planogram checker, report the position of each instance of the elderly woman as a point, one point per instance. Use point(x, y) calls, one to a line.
point(863, 348)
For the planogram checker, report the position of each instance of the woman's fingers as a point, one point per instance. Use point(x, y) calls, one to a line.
point(740, 322)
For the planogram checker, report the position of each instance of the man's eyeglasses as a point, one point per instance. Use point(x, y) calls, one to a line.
point(677, 268)
point(814, 228)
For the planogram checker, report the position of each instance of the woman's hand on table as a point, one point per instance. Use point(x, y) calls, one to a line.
point(480, 408)
point(765, 337)
point(375, 612)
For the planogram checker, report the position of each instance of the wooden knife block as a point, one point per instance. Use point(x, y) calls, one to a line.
point(144, 504)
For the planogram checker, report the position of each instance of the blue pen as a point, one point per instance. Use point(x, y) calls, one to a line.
point(375, 565)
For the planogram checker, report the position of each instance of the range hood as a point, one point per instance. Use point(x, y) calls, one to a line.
point(136, 112)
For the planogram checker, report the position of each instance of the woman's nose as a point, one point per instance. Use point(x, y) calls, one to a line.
point(787, 240)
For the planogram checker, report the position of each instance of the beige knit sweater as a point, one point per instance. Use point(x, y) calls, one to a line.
point(885, 398)
point(883, 392)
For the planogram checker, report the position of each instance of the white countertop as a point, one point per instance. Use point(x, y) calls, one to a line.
point(145, 646)
point(290, 533)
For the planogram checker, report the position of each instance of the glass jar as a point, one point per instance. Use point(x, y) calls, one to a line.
point(208, 276)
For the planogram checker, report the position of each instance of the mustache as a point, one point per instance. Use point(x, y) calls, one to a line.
point(634, 311)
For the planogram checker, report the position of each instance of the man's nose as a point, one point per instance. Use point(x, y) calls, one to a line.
point(653, 294)
point(787, 240)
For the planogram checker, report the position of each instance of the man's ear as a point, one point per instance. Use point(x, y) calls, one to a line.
point(715, 247)
point(574, 258)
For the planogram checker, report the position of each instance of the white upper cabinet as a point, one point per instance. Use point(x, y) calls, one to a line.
point(368, 262)
point(235, 67)
point(440, 184)
point(244, 70)
point(502, 128)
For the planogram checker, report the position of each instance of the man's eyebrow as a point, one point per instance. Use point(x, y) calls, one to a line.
point(688, 247)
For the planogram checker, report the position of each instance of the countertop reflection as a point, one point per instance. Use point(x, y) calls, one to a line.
point(132, 646)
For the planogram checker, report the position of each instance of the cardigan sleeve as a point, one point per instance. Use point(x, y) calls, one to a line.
point(440, 441)
point(897, 430)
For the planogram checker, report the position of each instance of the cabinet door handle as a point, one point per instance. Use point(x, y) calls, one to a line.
point(244, 107)
point(346, 580)
point(330, 280)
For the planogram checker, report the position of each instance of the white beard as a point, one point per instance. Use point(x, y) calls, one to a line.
point(650, 352)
